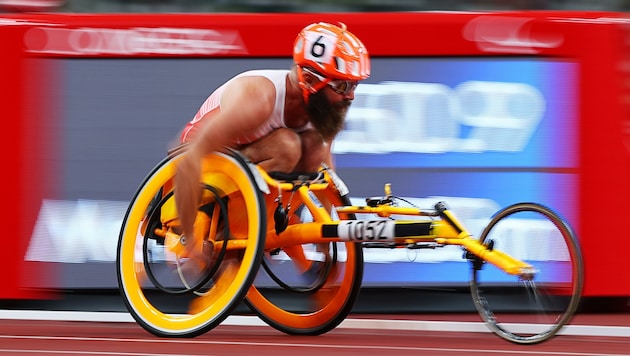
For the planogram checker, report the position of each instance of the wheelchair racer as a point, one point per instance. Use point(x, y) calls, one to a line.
point(283, 120)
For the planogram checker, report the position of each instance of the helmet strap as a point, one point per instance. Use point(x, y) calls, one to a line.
point(308, 89)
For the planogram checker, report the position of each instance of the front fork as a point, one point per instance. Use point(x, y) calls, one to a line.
point(479, 253)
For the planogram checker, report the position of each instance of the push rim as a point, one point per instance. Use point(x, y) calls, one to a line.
point(209, 307)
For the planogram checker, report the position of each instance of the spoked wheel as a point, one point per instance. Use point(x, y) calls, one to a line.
point(168, 294)
point(308, 289)
point(522, 310)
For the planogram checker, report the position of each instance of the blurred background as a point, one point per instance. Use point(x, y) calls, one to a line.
point(113, 94)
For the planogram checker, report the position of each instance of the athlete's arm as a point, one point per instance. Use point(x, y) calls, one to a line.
point(245, 105)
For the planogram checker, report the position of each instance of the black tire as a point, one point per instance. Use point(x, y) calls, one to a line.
point(529, 311)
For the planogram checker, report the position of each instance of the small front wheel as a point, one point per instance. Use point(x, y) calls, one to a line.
point(529, 310)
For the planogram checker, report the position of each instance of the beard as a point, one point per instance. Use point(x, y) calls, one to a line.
point(328, 119)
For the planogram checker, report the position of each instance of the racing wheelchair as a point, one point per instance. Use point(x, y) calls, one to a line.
point(266, 235)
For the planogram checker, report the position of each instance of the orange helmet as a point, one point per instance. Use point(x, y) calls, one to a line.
point(332, 51)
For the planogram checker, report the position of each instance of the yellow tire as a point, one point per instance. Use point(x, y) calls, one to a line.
point(168, 294)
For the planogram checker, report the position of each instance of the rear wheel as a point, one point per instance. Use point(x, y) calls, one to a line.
point(308, 289)
point(168, 294)
point(528, 311)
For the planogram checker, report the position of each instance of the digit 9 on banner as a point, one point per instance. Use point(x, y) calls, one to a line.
point(320, 47)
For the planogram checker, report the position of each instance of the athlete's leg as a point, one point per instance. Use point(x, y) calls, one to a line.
point(284, 150)
point(279, 151)
point(314, 151)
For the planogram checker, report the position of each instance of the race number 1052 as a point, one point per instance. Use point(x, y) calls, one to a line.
point(366, 230)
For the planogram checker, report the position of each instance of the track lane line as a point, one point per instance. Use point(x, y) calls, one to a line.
point(350, 323)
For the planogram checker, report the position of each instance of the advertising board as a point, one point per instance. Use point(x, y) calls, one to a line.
point(487, 110)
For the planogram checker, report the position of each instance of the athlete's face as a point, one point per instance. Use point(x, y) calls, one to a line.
point(327, 110)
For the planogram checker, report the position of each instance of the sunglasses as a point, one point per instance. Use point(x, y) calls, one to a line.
point(341, 87)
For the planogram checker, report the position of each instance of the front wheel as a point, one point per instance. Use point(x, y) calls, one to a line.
point(529, 311)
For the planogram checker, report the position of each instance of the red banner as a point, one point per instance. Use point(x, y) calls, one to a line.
point(596, 41)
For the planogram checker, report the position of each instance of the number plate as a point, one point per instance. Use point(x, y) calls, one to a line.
point(366, 230)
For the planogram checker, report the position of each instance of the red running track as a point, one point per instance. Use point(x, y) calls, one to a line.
point(37, 333)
